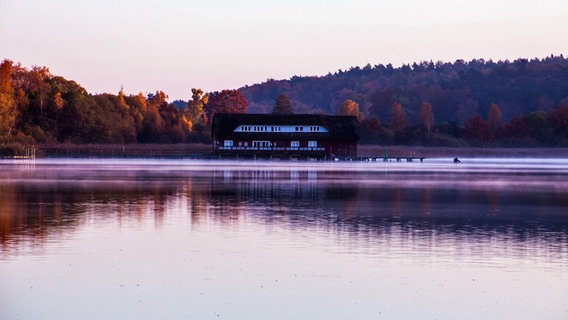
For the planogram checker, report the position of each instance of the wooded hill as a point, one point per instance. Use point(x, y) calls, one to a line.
point(37, 107)
point(523, 93)
point(477, 103)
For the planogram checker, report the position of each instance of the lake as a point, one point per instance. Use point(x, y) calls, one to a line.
point(188, 239)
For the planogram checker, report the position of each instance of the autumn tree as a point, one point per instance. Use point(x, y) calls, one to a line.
point(111, 120)
point(39, 88)
point(58, 100)
point(282, 105)
point(138, 107)
point(194, 112)
point(476, 128)
point(173, 125)
point(517, 128)
point(399, 121)
point(351, 108)
point(153, 126)
point(77, 121)
point(225, 101)
point(427, 116)
point(494, 119)
point(122, 100)
point(7, 101)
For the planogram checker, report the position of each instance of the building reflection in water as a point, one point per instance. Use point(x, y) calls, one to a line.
point(361, 206)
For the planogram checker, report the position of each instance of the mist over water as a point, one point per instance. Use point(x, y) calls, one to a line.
point(92, 238)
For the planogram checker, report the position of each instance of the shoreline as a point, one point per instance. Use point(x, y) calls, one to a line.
point(203, 151)
point(468, 152)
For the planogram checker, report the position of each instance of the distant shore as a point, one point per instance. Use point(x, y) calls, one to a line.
point(197, 150)
point(447, 152)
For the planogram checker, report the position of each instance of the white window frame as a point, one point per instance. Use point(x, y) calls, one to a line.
point(279, 128)
point(312, 144)
point(294, 144)
point(261, 144)
point(228, 143)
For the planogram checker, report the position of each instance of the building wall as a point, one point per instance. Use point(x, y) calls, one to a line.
point(324, 149)
point(291, 135)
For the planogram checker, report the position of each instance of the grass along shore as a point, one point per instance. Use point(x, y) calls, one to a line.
point(204, 150)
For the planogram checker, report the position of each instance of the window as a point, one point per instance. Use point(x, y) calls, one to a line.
point(261, 144)
point(312, 144)
point(228, 143)
point(295, 144)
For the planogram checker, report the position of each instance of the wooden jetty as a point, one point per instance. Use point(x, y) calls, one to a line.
point(383, 159)
point(388, 158)
point(391, 159)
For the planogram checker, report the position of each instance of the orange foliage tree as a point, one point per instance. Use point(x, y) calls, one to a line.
point(351, 108)
point(494, 119)
point(427, 116)
point(399, 121)
point(7, 101)
point(225, 101)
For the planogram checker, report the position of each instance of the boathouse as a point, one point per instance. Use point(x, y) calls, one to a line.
point(284, 136)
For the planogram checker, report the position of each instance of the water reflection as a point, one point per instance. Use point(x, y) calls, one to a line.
point(429, 209)
point(141, 239)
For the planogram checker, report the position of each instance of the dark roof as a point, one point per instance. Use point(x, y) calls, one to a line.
point(341, 128)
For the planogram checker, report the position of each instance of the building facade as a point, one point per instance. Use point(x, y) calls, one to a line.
point(284, 136)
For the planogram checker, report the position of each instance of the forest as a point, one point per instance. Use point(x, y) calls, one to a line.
point(37, 107)
point(520, 103)
point(474, 103)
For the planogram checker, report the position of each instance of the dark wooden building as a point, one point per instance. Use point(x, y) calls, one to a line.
point(284, 136)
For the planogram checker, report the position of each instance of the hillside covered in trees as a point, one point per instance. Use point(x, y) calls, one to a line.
point(507, 103)
point(38, 107)
point(478, 103)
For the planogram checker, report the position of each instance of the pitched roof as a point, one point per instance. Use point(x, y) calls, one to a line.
point(340, 128)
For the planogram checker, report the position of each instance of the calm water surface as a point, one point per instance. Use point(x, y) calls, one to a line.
point(184, 239)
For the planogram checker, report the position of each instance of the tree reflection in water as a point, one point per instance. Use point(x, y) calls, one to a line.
point(424, 209)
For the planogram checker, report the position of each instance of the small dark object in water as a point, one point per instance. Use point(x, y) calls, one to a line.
point(456, 160)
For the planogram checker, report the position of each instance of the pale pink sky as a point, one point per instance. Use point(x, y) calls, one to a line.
point(170, 45)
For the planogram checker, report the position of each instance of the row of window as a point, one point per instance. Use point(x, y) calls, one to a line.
point(260, 128)
point(312, 129)
point(247, 128)
point(268, 144)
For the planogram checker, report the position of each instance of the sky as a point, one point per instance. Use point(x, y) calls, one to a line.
point(176, 45)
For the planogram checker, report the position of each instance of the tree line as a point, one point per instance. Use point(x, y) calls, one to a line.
point(38, 107)
point(476, 103)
